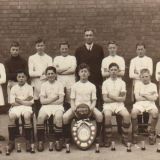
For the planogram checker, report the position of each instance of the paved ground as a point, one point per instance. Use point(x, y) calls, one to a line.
point(105, 153)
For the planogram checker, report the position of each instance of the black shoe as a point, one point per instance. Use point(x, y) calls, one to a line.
point(40, 146)
point(28, 146)
point(11, 146)
point(2, 138)
point(58, 146)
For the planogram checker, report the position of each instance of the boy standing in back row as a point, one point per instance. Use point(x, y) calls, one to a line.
point(37, 65)
point(65, 65)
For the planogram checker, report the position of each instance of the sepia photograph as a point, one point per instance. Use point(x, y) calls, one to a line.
point(79, 79)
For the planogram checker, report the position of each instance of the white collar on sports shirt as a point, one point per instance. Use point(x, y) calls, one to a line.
point(89, 46)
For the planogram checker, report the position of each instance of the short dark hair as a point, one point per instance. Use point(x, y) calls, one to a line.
point(88, 29)
point(112, 42)
point(82, 66)
point(22, 71)
point(113, 65)
point(140, 44)
point(39, 40)
point(64, 43)
point(144, 70)
point(14, 44)
point(50, 68)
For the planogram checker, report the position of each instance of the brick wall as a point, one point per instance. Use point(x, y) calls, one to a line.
point(126, 21)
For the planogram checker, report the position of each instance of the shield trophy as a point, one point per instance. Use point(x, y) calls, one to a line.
point(84, 132)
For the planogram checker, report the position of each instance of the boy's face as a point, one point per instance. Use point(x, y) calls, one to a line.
point(64, 49)
point(21, 78)
point(14, 51)
point(140, 51)
point(88, 36)
point(51, 75)
point(145, 77)
point(113, 71)
point(40, 47)
point(84, 74)
point(112, 49)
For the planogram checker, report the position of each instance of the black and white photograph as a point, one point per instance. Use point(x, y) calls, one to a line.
point(79, 79)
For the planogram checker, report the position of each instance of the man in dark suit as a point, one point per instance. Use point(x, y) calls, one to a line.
point(91, 54)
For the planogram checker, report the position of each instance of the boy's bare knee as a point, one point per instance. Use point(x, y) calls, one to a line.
point(12, 116)
point(154, 114)
point(40, 119)
point(134, 114)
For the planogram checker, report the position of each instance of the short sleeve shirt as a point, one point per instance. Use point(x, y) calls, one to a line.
point(148, 89)
point(114, 87)
point(112, 59)
point(21, 92)
point(83, 93)
point(50, 90)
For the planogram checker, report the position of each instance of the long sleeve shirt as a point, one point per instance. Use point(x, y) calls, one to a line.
point(12, 65)
point(139, 63)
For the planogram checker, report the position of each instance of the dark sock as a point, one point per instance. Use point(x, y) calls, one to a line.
point(28, 132)
point(99, 128)
point(12, 132)
point(40, 132)
point(58, 132)
point(67, 132)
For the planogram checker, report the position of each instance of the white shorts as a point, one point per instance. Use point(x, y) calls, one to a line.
point(20, 110)
point(50, 109)
point(144, 106)
point(114, 107)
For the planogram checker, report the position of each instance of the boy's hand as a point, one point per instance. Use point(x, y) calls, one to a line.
point(111, 96)
point(136, 72)
point(122, 94)
point(18, 100)
point(73, 110)
point(29, 98)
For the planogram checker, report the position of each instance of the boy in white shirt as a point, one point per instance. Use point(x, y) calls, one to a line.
point(51, 97)
point(114, 95)
point(65, 65)
point(21, 99)
point(112, 58)
point(82, 92)
point(138, 63)
point(37, 64)
point(146, 95)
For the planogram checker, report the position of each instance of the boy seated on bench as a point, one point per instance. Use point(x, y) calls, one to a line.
point(146, 95)
point(114, 95)
point(82, 92)
point(51, 97)
point(21, 99)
